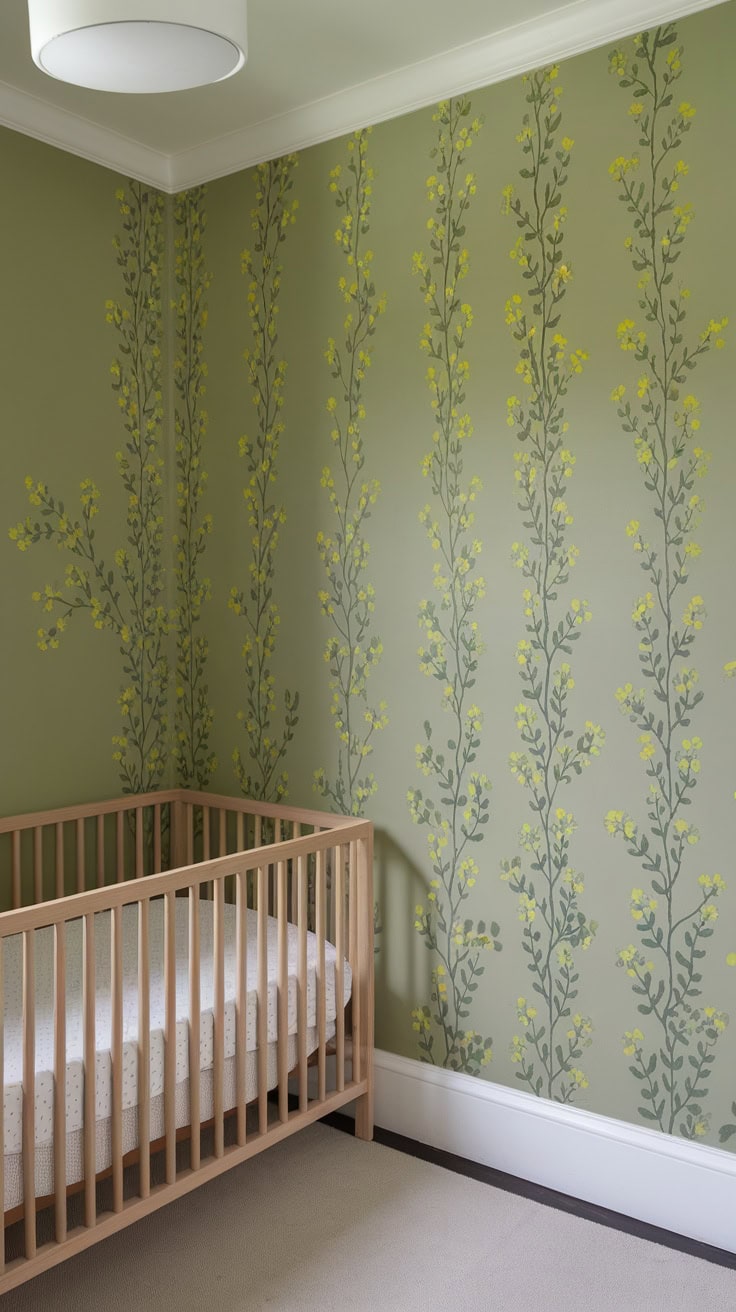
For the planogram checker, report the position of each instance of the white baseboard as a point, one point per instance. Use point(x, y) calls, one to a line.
point(681, 1186)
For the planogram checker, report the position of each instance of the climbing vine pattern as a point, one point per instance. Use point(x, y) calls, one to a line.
point(125, 596)
point(728, 1130)
point(195, 762)
point(673, 1048)
point(260, 767)
point(548, 888)
point(454, 809)
point(353, 649)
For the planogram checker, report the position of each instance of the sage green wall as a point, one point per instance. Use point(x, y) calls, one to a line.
point(61, 709)
point(58, 711)
point(606, 492)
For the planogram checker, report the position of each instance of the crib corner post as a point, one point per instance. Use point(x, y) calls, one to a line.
point(178, 834)
point(364, 985)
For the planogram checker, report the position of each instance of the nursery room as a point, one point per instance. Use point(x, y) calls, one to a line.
point(367, 902)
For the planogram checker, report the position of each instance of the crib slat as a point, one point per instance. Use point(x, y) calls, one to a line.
point(338, 879)
point(222, 832)
point(332, 896)
point(296, 830)
point(241, 996)
point(218, 1072)
point(256, 831)
point(2, 1101)
point(157, 838)
point(320, 910)
point(38, 864)
point(119, 848)
point(170, 1035)
point(206, 837)
point(301, 1025)
point(239, 835)
point(262, 1040)
point(116, 1054)
point(100, 851)
point(194, 1026)
point(90, 1071)
point(81, 873)
point(29, 1091)
point(190, 833)
point(59, 861)
point(16, 869)
point(353, 919)
point(139, 866)
point(60, 1080)
point(144, 1050)
point(283, 994)
point(272, 883)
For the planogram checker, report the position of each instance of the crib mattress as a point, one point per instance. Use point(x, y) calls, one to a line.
point(44, 1048)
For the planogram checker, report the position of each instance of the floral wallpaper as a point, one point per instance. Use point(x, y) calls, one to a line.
point(347, 601)
point(466, 571)
point(673, 1047)
point(455, 812)
point(555, 930)
point(259, 766)
point(123, 595)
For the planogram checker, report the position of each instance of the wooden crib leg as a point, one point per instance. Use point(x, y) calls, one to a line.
point(364, 987)
point(364, 1116)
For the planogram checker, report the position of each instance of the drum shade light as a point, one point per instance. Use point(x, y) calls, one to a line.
point(138, 48)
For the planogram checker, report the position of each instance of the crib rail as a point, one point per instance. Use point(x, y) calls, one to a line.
point(314, 874)
point(52, 854)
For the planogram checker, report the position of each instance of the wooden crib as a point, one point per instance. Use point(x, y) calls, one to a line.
point(78, 883)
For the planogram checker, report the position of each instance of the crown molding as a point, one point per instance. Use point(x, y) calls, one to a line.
point(23, 112)
point(570, 30)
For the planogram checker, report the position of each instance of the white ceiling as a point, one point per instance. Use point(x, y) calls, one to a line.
point(316, 69)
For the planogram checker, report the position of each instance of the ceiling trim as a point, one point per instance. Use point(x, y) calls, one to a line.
point(570, 30)
point(22, 112)
point(567, 31)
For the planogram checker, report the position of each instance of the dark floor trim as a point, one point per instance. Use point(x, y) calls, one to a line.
point(539, 1194)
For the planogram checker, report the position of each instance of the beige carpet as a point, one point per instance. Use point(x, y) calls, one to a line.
point(323, 1221)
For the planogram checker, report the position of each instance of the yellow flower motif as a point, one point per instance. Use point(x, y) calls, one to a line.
point(640, 903)
point(648, 747)
point(694, 613)
point(642, 607)
point(633, 1039)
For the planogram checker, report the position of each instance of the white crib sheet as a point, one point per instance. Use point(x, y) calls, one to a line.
point(44, 1064)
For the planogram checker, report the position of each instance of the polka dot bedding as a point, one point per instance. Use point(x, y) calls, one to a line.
point(44, 1048)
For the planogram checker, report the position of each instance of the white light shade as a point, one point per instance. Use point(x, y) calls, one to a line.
point(138, 47)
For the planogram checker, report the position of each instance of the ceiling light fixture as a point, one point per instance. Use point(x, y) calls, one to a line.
point(138, 46)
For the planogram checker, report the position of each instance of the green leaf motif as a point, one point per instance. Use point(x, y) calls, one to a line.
point(674, 916)
point(195, 762)
point(456, 808)
point(552, 1035)
point(260, 769)
point(128, 600)
point(347, 600)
